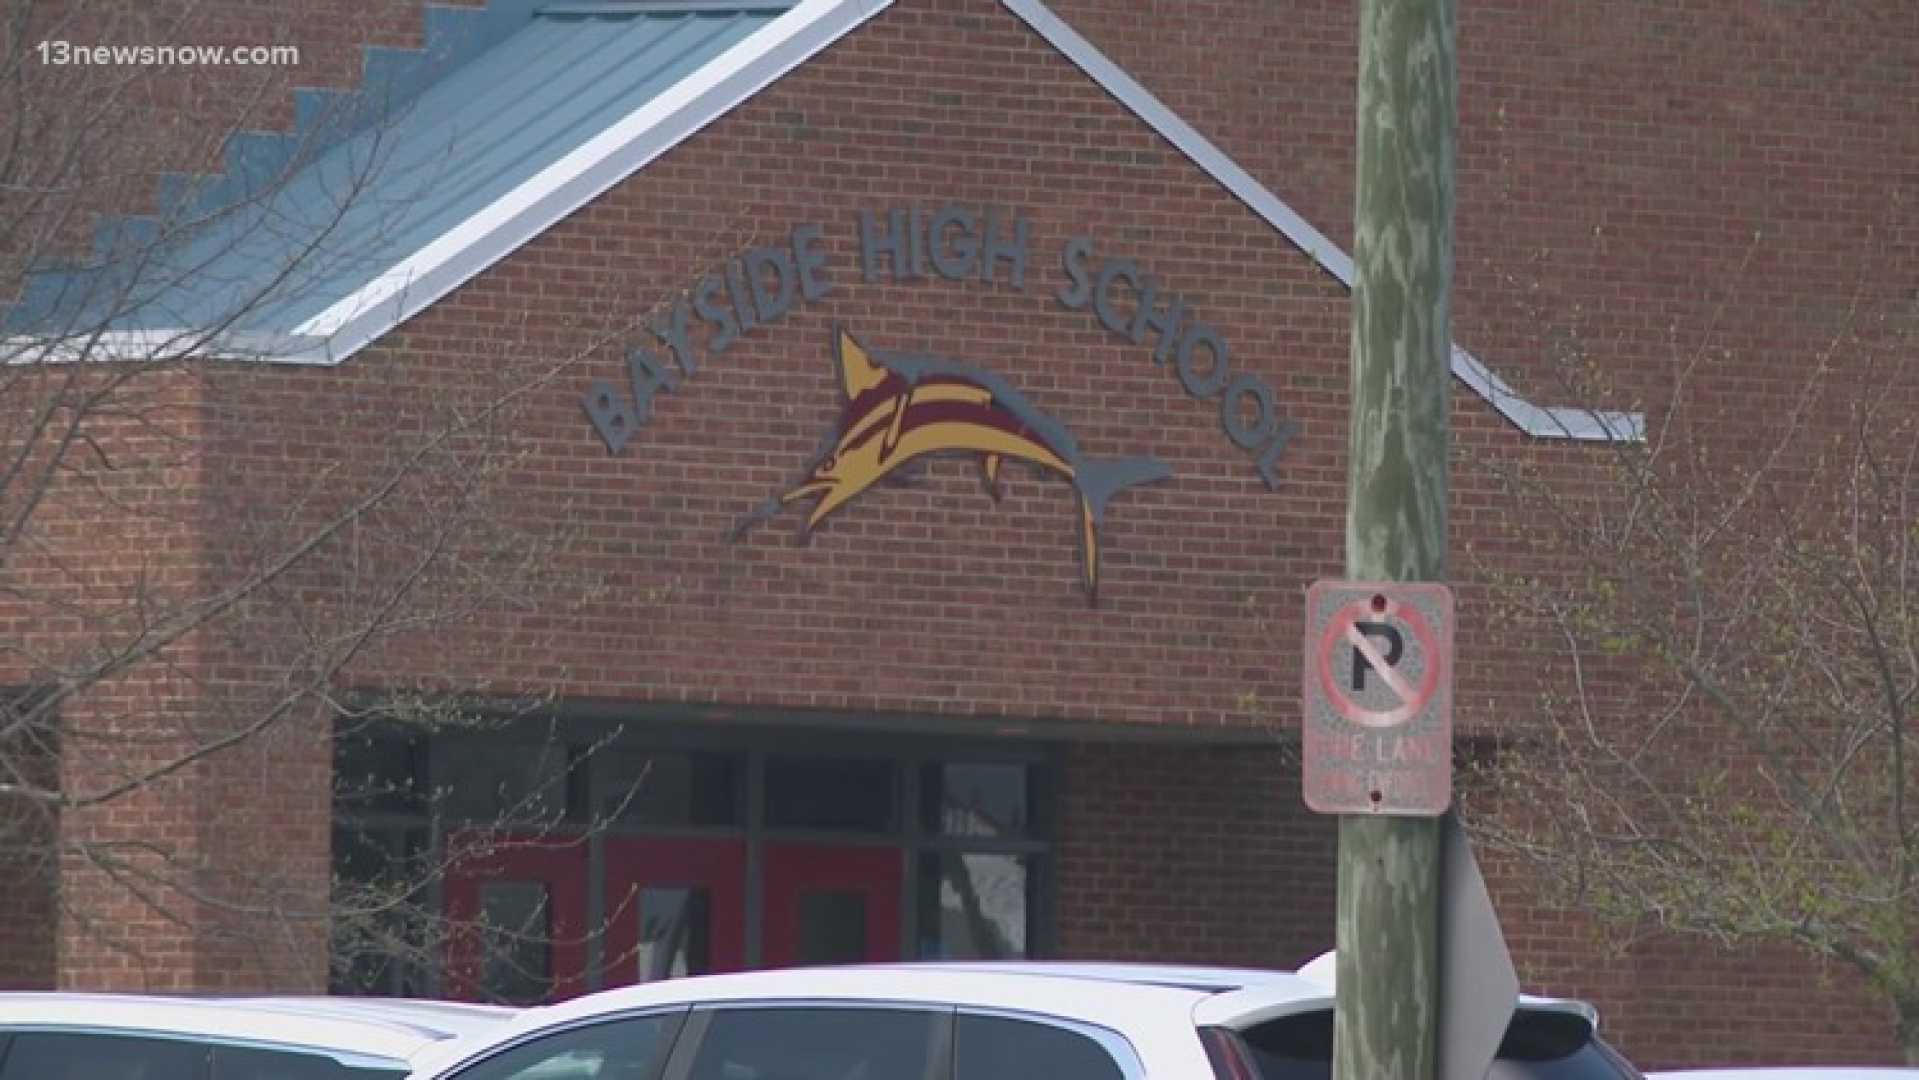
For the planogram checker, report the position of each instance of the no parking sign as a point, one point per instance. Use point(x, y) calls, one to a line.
point(1377, 728)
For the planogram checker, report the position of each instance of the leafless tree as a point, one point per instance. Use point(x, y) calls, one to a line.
point(1725, 748)
point(187, 593)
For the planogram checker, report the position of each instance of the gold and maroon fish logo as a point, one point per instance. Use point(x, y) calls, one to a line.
point(902, 408)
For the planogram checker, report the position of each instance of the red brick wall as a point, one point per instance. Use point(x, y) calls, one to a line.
point(1201, 855)
point(103, 561)
point(933, 599)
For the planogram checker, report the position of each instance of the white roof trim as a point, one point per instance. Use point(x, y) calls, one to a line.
point(1537, 420)
point(162, 344)
point(570, 183)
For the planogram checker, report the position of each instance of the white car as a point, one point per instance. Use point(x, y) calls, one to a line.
point(80, 1036)
point(958, 1021)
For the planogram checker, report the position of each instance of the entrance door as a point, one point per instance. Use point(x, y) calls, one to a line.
point(517, 914)
point(674, 907)
point(832, 905)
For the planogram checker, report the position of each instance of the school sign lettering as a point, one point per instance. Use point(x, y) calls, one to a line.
point(955, 243)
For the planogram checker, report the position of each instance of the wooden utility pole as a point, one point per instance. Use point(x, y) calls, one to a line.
point(1387, 935)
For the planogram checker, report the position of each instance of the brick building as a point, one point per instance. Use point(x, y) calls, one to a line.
point(676, 261)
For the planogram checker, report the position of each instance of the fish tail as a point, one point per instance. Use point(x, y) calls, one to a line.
point(989, 474)
point(768, 509)
point(1089, 550)
point(1098, 482)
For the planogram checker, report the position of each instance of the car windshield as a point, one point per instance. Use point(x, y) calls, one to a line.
point(1539, 1045)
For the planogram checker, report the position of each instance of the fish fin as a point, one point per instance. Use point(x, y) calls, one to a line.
point(1099, 481)
point(900, 405)
point(858, 372)
point(989, 472)
point(767, 509)
point(1089, 550)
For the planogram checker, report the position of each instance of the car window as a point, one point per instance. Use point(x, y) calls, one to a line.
point(46, 1055)
point(627, 1049)
point(817, 1044)
point(1556, 1046)
point(248, 1063)
point(1539, 1045)
point(996, 1048)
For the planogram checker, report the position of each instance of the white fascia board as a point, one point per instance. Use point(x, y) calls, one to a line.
point(1536, 420)
point(583, 175)
point(163, 344)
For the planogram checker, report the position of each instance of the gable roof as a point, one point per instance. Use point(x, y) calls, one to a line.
point(309, 261)
point(1537, 420)
point(579, 98)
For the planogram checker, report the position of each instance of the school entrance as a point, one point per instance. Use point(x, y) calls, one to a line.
point(584, 853)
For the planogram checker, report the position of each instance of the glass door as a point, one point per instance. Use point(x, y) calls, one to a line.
point(832, 904)
point(674, 907)
point(516, 909)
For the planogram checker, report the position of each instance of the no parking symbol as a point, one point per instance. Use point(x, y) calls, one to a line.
point(1376, 731)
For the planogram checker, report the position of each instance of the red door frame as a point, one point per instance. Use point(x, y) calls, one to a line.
point(792, 868)
point(633, 863)
point(480, 858)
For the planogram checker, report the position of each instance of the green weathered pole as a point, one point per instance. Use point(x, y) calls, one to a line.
point(1387, 935)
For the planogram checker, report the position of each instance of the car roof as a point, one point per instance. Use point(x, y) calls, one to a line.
point(1278, 993)
point(447, 1019)
point(362, 1032)
point(1151, 1016)
point(1209, 979)
point(1145, 1001)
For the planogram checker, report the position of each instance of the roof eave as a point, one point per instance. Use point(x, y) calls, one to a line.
point(422, 278)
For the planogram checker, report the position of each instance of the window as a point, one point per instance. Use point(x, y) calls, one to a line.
point(837, 794)
point(642, 788)
point(378, 773)
point(517, 931)
point(1542, 1045)
point(965, 824)
point(622, 1050)
point(817, 1044)
point(493, 780)
point(995, 1048)
point(969, 799)
point(832, 926)
point(1539, 1045)
point(76, 1056)
point(676, 933)
point(88, 1056)
point(247, 1063)
point(973, 905)
point(378, 932)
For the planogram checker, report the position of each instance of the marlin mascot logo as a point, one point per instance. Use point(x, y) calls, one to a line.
point(902, 408)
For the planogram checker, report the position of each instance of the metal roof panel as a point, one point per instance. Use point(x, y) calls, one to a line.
point(362, 206)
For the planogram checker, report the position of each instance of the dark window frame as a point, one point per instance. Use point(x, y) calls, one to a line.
point(661, 729)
